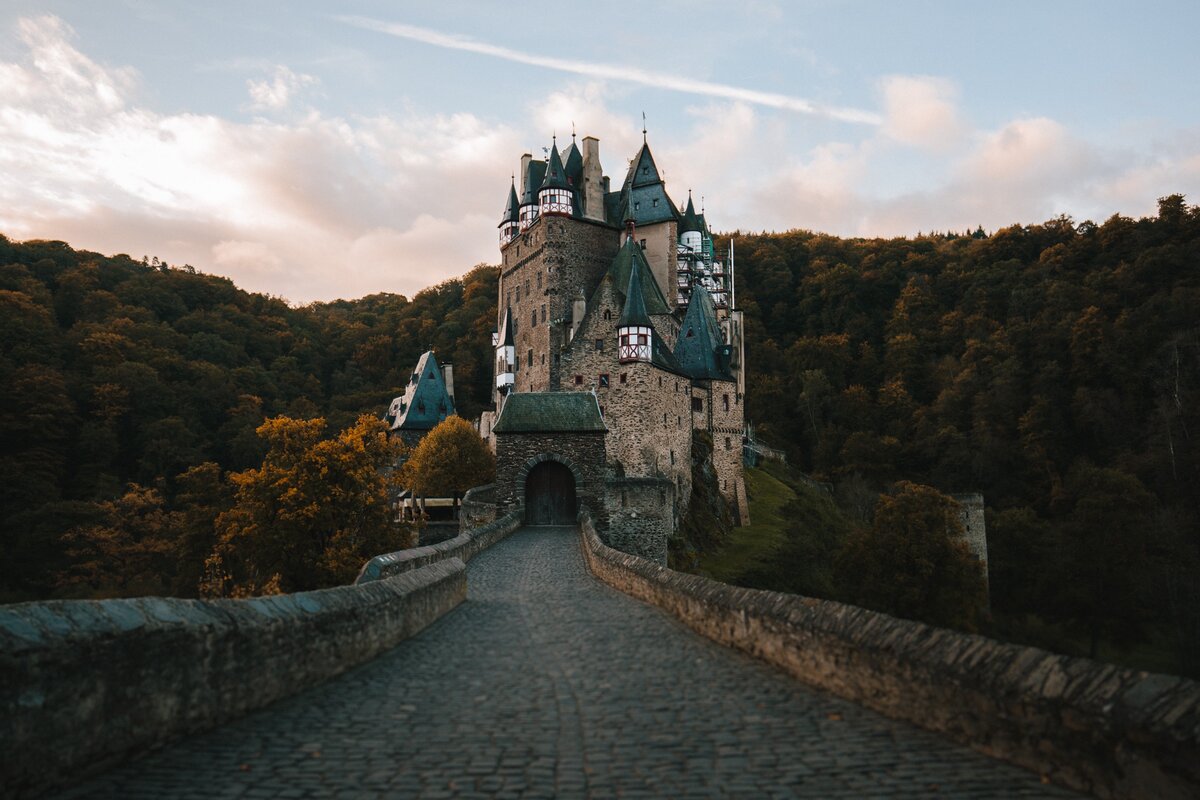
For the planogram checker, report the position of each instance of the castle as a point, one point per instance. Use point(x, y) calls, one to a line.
point(617, 335)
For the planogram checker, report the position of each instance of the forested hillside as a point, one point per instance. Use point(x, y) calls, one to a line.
point(1053, 367)
point(115, 371)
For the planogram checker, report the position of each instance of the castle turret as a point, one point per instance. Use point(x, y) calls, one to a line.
point(506, 355)
point(635, 334)
point(690, 229)
point(594, 185)
point(555, 195)
point(532, 175)
point(510, 222)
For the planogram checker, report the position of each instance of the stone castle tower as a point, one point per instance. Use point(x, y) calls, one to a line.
point(621, 294)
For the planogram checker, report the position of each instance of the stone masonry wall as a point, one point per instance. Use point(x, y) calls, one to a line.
point(723, 414)
point(85, 684)
point(515, 451)
point(1090, 726)
point(464, 547)
point(640, 516)
point(543, 270)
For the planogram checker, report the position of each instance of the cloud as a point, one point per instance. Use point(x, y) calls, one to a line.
point(314, 208)
point(595, 70)
point(276, 93)
point(920, 111)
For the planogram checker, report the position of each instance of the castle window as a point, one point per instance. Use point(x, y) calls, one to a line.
point(672, 458)
point(539, 279)
point(578, 380)
point(533, 319)
point(527, 286)
point(679, 422)
point(725, 400)
point(655, 203)
point(608, 313)
point(697, 404)
point(518, 292)
point(724, 485)
point(642, 243)
point(636, 206)
point(660, 381)
point(543, 358)
point(664, 419)
point(599, 345)
point(604, 380)
point(531, 358)
point(623, 377)
point(690, 333)
point(728, 443)
point(543, 313)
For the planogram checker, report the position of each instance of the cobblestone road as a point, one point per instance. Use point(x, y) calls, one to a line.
point(548, 683)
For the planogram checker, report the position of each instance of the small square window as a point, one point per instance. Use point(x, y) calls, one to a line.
point(655, 203)
point(604, 381)
point(578, 380)
point(624, 376)
point(728, 443)
point(642, 242)
point(599, 345)
point(697, 404)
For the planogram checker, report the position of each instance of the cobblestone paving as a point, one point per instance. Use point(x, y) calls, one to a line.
point(548, 683)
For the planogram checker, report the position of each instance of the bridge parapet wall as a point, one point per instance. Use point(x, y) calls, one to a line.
point(1091, 726)
point(85, 684)
point(464, 547)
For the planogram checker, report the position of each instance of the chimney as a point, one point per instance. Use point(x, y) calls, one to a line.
point(448, 377)
point(594, 185)
point(526, 159)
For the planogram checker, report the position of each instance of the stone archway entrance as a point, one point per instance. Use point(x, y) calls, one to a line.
point(550, 495)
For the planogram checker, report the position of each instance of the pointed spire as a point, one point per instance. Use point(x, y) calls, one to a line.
point(556, 176)
point(634, 313)
point(512, 209)
point(690, 221)
point(643, 127)
point(506, 330)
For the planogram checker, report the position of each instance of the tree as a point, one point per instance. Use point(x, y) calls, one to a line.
point(913, 562)
point(451, 459)
point(310, 515)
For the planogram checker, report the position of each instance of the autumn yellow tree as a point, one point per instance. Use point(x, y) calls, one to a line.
point(310, 516)
point(451, 459)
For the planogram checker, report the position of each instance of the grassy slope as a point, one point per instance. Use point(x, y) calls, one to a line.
point(751, 547)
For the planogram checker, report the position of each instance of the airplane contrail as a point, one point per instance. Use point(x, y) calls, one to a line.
point(621, 73)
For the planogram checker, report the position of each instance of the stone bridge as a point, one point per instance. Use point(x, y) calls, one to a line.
point(549, 682)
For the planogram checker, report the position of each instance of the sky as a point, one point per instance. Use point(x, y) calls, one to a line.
point(316, 151)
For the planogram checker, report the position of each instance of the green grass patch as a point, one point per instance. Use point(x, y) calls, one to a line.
point(751, 547)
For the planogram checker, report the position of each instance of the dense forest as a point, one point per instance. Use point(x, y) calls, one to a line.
point(1055, 368)
point(117, 372)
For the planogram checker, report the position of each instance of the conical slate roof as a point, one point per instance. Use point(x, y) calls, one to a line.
point(690, 222)
point(534, 175)
point(506, 330)
point(556, 176)
point(512, 209)
point(633, 313)
point(622, 268)
point(573, 165)
point(700, 340)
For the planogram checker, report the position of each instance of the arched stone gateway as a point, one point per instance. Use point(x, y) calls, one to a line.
point(550, 495)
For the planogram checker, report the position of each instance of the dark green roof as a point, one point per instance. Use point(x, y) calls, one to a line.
point(573, 164)
point(642, 170)
point(425, 402)
point(690, 221)
point(506, 329)
point(511, 210)
point(550, 412)
point(700, 345)
point(534, 176)
point(556, 176)
point(633, 312)
point(620, 271)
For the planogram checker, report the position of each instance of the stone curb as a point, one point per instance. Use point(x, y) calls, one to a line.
point(1113, 732)
point(465, 546)
point(85, 684)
